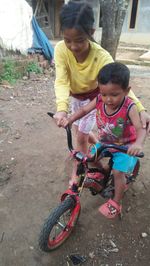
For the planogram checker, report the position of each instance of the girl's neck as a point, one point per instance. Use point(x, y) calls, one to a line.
point(81, 58)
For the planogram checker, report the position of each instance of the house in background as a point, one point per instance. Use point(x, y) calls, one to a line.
point(46, 13)
point(136, 27)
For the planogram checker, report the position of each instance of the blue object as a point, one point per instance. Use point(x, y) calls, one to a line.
point(122, 162)
point(41, 42)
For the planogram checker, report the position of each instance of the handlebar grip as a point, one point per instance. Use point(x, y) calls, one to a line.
point(140, 155)
point(125, 149)
point(50, 114)
point(121, 148)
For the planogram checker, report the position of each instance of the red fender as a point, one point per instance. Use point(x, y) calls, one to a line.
point(70, 192)
point(77, 208)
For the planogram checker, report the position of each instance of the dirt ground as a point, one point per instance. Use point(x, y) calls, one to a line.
point(32, 177)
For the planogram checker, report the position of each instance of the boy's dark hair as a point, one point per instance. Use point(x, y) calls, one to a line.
point(116, 73)
point(78, 15)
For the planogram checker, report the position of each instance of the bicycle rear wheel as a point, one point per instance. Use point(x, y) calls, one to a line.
point(59, 225)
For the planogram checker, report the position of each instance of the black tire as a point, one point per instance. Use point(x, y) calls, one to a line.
point(68, 206)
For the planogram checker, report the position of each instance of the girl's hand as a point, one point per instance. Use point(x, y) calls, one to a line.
point(135, 149)
point(145, 119)
point(64, 122)
point(59, 116)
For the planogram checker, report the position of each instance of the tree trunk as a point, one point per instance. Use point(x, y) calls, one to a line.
point(113, 14)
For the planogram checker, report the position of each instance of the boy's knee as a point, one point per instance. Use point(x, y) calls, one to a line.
point(117, 174)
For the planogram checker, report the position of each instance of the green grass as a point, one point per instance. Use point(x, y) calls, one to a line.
point(14, 70)
point(9, 72)
point(34, 67)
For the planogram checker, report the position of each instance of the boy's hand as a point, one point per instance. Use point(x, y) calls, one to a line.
point(135, 149)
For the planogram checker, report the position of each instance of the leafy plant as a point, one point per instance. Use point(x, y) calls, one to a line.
point(9, 72)
point(33, 67)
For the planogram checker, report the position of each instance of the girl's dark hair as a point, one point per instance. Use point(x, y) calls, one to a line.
point(78, 15)
point(115, 73)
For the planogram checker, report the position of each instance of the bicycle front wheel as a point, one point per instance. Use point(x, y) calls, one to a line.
point(59, 225)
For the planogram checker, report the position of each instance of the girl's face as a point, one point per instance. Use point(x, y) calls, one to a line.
point(77, 42)
point(112, 95)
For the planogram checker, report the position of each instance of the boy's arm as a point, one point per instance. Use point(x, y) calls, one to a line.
point(79, 114)
point(83, 111)
point(136, 147)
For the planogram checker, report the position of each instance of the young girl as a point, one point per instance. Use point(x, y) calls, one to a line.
point(78, 60)
point(118, 122)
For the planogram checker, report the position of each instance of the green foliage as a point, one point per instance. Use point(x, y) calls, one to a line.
point(9, 72)
point(33, 67)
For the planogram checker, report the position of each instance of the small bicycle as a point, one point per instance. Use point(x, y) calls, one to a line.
point(62, 220)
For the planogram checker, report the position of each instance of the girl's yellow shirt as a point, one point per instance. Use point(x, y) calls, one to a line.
point(78, 78)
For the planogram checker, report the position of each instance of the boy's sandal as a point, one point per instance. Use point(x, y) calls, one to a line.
point(110, 209)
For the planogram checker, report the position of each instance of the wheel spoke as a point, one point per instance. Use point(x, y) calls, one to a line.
point(59, 225)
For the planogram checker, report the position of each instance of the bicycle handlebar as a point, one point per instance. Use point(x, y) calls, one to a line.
point(50, 114)
point(80, 156)
point(69, 135)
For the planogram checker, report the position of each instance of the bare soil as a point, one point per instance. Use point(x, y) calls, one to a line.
point(33, 153)
point(128, 54)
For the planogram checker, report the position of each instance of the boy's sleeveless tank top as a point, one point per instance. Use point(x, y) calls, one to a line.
point(115, 128)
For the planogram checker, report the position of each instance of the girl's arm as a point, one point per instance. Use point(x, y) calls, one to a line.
point(62, 81)
point(144, 116)
point(139, 105)
point(79, 114)
point(62, 84)
point(136, 147)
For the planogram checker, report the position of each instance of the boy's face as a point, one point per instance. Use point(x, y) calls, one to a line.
point(112, 94)
point(77, 42)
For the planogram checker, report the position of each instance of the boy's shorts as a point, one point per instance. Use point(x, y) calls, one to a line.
point(122, 162)
point(86, 123)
